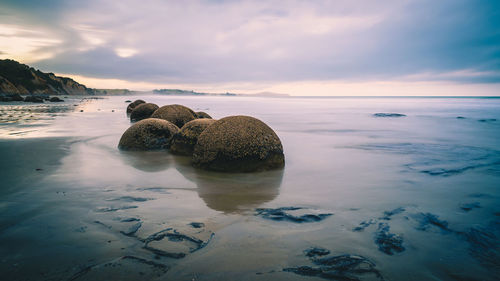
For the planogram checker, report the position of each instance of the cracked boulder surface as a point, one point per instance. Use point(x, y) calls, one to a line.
point(291, 214)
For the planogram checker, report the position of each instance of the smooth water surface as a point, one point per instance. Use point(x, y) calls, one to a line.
point(397, 198)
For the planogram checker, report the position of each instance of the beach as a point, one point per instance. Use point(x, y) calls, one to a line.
point(361, 196)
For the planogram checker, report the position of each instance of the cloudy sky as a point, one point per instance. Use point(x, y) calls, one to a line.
point(343, 47)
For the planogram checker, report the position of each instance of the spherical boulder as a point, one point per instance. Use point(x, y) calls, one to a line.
point(238, 144)
point(184, 141)
point(132, 105)
point(143, 111)
point(175, 113)
point(201, 114)
point(148, 134)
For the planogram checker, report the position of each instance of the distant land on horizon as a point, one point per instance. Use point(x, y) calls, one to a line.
point(179, 92)
point(18, 78)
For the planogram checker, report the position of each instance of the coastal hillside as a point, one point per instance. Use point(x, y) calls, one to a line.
point(17, 78)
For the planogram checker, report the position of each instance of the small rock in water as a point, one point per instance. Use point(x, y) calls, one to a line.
point(389, 115)
point(55, 99)
point(487, 120)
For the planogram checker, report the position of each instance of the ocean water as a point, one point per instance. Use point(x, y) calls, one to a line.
point(361, 197)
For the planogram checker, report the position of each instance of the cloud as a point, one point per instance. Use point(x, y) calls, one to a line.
point(267, 41)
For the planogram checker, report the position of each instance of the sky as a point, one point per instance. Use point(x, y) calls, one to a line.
point(323, 47)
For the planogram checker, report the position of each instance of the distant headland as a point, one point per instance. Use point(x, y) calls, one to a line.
point(20, 79)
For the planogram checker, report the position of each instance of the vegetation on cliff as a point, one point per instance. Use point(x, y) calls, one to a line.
point(17, 78)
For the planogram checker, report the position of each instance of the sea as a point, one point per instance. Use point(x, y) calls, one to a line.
point(373, 188)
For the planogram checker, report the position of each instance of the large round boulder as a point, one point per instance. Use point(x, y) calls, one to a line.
point(148, 134)
point(132, 105)
point(184, 141)
point(143, 111)
point(175, 113)
point(201, 114)
point(238, 144)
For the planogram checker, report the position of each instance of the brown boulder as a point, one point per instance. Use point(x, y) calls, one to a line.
point(184, 141)
point(238, 144)
point(175, 113)
point(148, 134)
point(143, 111)
point(201, 114)
point(132, 105)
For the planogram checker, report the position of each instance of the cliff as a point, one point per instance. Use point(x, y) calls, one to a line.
point(17, 78)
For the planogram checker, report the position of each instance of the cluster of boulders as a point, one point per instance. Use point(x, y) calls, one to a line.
point(231, 144)
point(30, 98)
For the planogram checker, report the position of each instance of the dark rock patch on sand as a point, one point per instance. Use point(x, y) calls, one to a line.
point(487, 120)
point(283, 214)
point(388, 115)
point(132, 230)
point(158, 243)
point(388, 243)
point(122, 268)
point(428, 220)
point(114, 209)
point(342, 267)
point(130, 199)
point(364, 224)
point(316, 252)
point(470, 206)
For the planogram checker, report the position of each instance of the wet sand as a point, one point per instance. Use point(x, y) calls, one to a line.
point(361, 197)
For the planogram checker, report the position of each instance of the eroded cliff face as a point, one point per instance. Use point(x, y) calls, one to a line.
point(17, 78)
